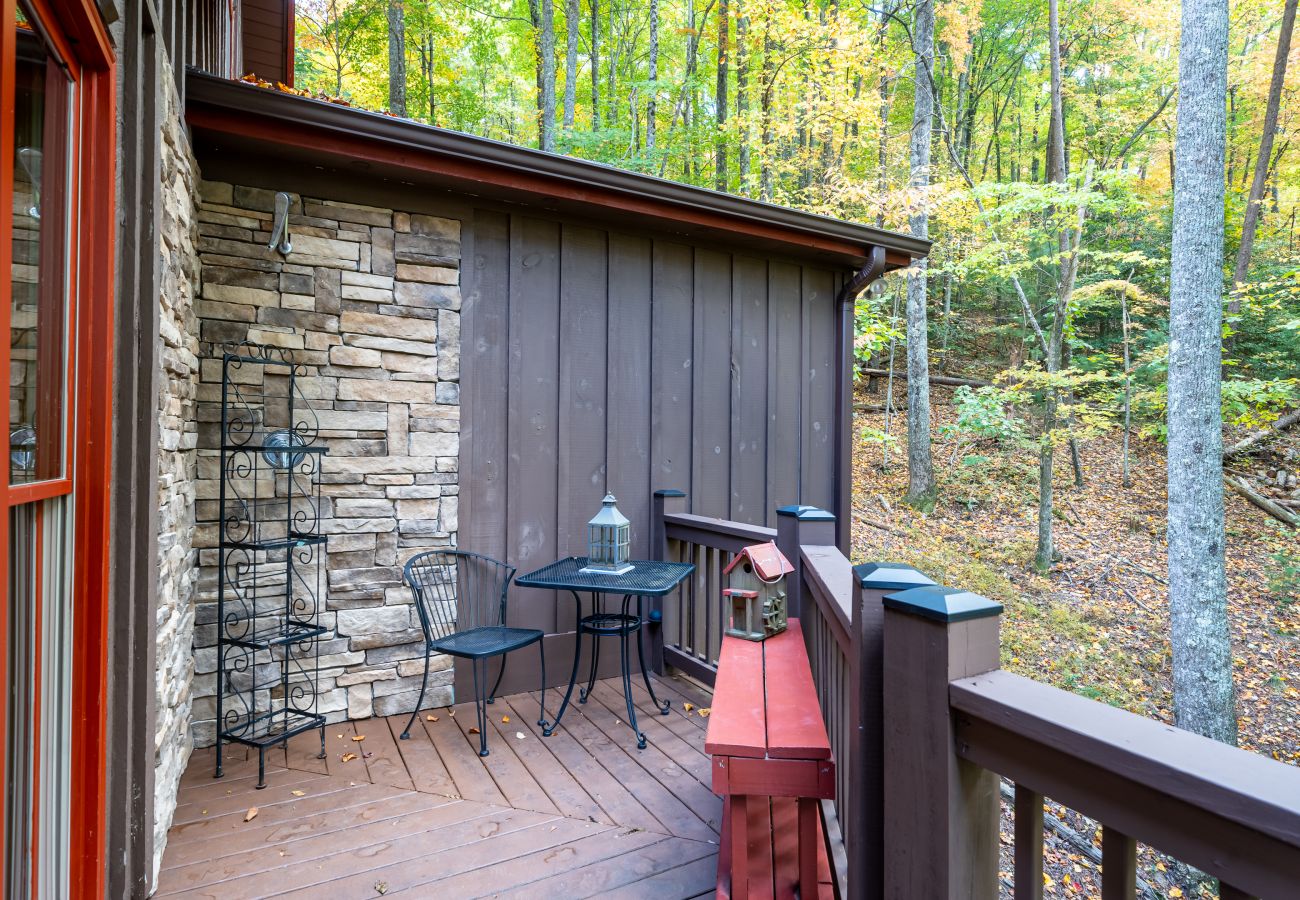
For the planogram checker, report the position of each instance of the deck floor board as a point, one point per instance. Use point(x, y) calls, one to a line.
point(576, 814)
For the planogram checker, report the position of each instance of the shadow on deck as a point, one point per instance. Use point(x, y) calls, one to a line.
point(574, 815)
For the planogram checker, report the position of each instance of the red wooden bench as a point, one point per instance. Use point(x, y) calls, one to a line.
point(771, 764)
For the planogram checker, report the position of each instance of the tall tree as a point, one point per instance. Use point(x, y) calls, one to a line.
point(920, 466)
point(543, 18)
point(720, 95)
point(1064, 287)
point(1264, 160)
point(396, 58)
point(742, 95)
point(595, 65)
point(1202, 653)
point(572, 27)
point(653, 79)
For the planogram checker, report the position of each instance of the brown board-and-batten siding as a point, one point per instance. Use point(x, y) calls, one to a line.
point(594, 360)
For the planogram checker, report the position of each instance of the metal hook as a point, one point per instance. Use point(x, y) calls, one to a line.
point(280, 225)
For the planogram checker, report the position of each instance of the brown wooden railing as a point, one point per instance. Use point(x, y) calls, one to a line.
point(925, 726)
point(691, 627)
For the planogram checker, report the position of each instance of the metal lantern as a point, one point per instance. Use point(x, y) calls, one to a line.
point(609, 540)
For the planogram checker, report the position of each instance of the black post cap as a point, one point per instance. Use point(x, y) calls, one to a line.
point(890, 576)
point(669, 492)
point(942, 604)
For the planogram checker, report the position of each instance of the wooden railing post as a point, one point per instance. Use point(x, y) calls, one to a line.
point(864, 828)
point(665, 501)
point(799, 526)
point(941, 812)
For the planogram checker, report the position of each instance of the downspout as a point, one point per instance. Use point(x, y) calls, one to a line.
point(874, 268)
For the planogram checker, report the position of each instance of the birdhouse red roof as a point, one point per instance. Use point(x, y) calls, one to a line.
point(768, 562)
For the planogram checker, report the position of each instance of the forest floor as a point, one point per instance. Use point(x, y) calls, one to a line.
point(1097, 623)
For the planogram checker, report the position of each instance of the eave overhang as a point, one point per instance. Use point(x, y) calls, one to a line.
point(232, 117)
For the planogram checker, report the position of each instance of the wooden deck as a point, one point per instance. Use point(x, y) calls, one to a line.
point(578, 814)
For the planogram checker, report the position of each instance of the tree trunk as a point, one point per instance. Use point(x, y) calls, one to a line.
point(1202, 652)
point(595, 65)
point(720, 96)
point(920, 466)
point(572, 26)
point(1064, 287)
point(1262, 163)
point(1128, 384)
point(396, 58)
point(543, 16)
point(742, 97)
point(654, 78)
point(767, 76)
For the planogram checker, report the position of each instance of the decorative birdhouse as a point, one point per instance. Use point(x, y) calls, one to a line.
point(609, 541)
point(756, 591)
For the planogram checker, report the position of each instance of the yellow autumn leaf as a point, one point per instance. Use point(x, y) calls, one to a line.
point(299, 793)
point(688, 706)
point(505, 719)
point(430, 718)
point(348, 757)
point(251, 814)
point(704, 711)
point(358, 737)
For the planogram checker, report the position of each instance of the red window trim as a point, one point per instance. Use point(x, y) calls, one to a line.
point(78, 35)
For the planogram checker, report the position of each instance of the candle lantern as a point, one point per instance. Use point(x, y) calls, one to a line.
point(756, 592)
point(609, 541)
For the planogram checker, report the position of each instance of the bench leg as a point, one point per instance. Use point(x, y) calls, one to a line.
point(739, 847)
point(807, 848)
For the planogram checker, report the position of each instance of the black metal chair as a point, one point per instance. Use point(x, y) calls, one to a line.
point(461, 600)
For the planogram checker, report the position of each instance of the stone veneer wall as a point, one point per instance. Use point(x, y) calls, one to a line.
point(178, 370)
point(369, 301)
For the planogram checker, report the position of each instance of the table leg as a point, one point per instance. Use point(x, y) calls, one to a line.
point(664, 705)
point(584, 693)
point(548, 730)
point(627, 680)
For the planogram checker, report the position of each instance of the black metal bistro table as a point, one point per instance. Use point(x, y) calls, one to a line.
point(648, 578)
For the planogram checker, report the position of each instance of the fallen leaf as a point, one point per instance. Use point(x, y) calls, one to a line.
point(381, 887)
point(299, 793)
point(688, 706)
point(251, 814)
point(520, 735)
point(452, 713)
point(348, 757)
point(473, 729)
point(505, 719)
point(431, 718)
point(704, 711)
point(358, 737)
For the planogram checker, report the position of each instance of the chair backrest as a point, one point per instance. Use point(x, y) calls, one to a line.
point(456, 590)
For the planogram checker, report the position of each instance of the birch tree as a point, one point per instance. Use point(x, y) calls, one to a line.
point(920, 467)
point(1202, 654)
point(653, 79)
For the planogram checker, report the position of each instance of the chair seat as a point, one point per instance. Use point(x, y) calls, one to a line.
point(491, 640)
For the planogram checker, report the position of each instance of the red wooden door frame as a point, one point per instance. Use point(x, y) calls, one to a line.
point(77, 34)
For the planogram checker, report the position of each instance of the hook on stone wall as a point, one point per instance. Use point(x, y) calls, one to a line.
point(280, 225)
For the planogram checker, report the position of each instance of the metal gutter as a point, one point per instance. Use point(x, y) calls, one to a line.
point(565, 174)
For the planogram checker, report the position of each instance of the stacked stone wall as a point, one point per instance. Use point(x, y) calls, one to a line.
point(368, 300)
point(178, 369)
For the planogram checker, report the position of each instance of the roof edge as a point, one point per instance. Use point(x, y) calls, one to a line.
point(579, 175)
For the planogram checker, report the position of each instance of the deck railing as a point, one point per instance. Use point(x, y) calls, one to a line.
point(924, 726)
point(691, 618)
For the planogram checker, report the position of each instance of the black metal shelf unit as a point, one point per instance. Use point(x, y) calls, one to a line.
point(271, 554)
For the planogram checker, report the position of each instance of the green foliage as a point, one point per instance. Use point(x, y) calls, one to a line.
point(986, 413)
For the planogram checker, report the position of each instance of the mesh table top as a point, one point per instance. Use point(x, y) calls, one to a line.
point(648, 578)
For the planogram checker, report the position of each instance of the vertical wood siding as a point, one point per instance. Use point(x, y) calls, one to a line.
point(594, 360)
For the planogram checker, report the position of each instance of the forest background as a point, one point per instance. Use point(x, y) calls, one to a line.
point(1050, 203)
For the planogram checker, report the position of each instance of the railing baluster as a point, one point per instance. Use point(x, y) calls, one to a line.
point(1029, 844)
point(1118, 865)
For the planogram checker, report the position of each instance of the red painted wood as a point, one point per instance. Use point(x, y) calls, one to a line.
point(737, 848)
point(781, 777)
point(808, 847)
point(738, 723)
point(795, 729)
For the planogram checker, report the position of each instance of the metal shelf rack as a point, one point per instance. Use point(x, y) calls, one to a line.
point(271, 554)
